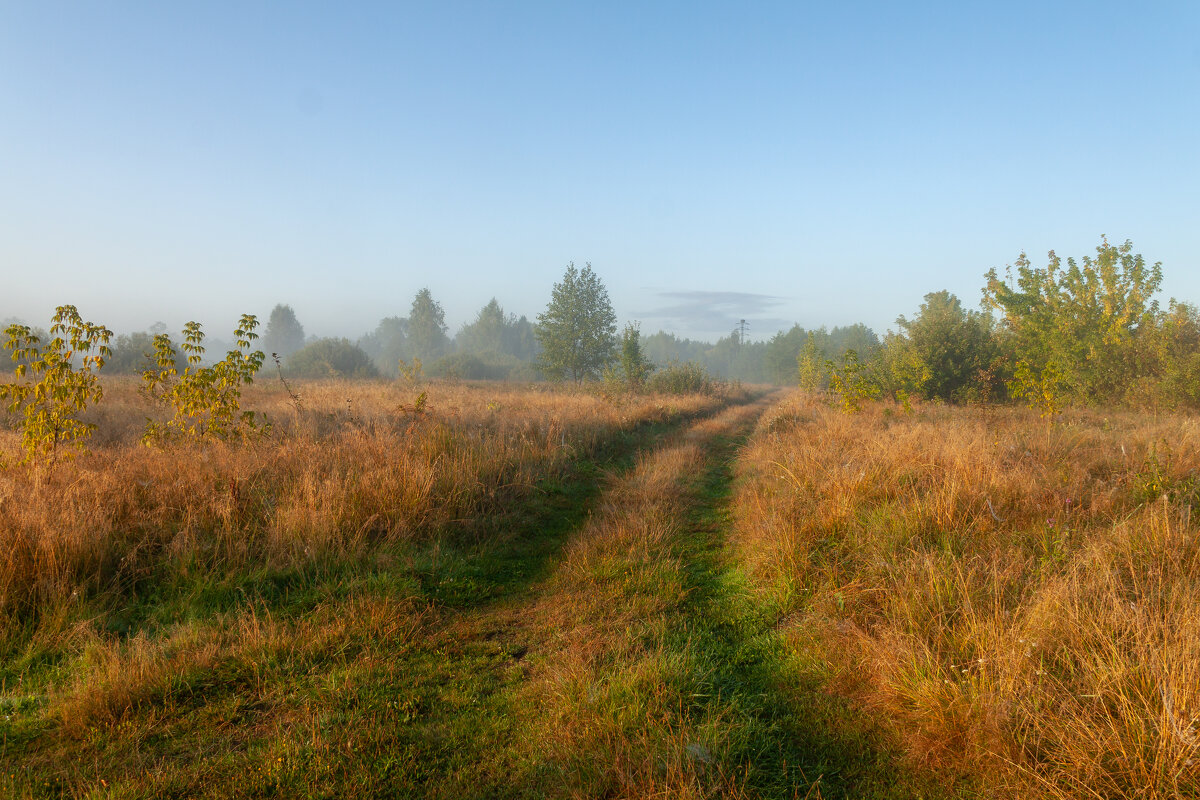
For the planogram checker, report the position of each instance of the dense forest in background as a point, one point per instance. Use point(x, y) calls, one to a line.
point(1081, 332)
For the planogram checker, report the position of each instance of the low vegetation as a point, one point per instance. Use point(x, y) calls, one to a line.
point(331, 358)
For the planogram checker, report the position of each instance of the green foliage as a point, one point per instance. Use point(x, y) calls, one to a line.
point(1042, 389)
point(65, 369)
point(810, 365)
point(284, 334)
point(205, 401)
point(635, 368)
point(133, 354)
point(331, 358)
point(901, 371)
point(488, 366)
point(731, 357)
point(497, 333)
point(955, 345)
point(1176, 355)
point(663, 347)
point(463, 366)
point(387, 344)
point(577, 331)
point(1158, 477)
point(1092, 321)
point(852, 382)
point(782, 354)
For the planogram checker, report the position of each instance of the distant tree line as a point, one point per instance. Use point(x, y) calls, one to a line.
point(1086, 332)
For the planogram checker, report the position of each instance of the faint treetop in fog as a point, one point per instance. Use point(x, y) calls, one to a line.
point(493, 331)
point(284, 334)
point(427, 327)
point(387, 344)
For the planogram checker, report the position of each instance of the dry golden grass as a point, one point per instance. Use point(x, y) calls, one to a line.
point(353, 467)
point(1018, 599)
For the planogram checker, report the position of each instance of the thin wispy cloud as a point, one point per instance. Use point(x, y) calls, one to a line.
point(702, 312)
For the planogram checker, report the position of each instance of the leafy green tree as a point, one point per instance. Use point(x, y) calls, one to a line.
point(955, 346)
point(635, 368)
point(1086, 323)
point(331, 358)
point(857, 337)
point(732, 358)
point(1178, 350)
point(66, 368)
point(132, 354)
point(284, 334)
point(486, 333)
point(577, 331)
point(780, 361)
point(901, 371)
point(427, 338)
point(1041, 389)
point(664, 348)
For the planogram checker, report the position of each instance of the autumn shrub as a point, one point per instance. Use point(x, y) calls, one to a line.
point(205, 401)
point(55, 382)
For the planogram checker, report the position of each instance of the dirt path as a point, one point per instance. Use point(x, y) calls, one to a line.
point(499, 692)
point(640, 666)
point(643, 665)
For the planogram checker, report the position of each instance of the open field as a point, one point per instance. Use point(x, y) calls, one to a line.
point(135, 576)
point(521, 592)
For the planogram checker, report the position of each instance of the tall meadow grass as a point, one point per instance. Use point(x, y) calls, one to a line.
point(1018, 599)
point(356, 464)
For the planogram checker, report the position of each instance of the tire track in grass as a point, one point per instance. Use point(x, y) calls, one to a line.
point(393, 696)
point(669, 677)
point(443, 717)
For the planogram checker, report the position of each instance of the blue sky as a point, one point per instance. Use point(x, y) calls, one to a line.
point(784, 162)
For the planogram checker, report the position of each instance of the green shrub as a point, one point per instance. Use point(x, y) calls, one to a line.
point(487, 366)
point(685, 377)
point(134, 354)
point(330, 358)
point(852, 381)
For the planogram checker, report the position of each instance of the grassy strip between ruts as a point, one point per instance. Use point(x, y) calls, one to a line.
point(644, 668)
point(306, 681)
point(665, 678)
